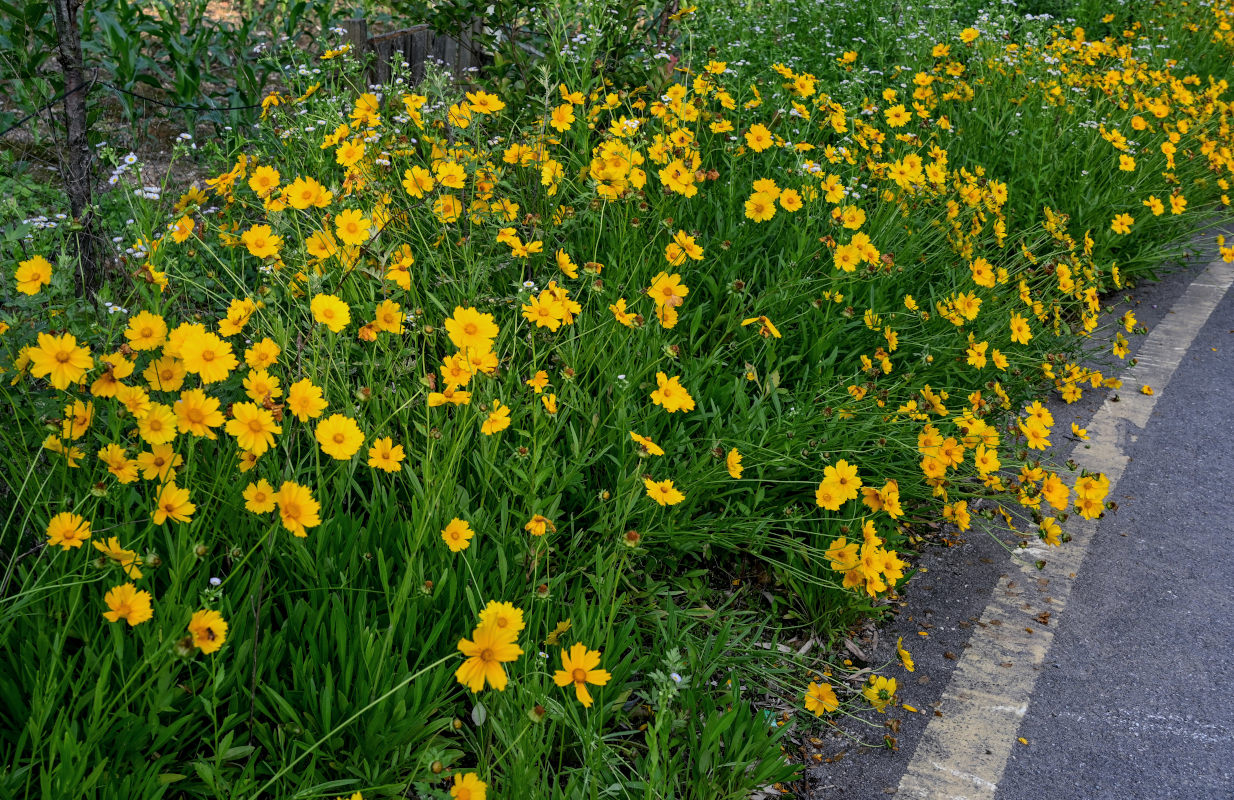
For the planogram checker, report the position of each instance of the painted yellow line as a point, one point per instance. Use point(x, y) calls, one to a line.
point(962, 754)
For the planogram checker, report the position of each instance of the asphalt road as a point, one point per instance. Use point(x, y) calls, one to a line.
point(1129, 703)
point(1134, 702)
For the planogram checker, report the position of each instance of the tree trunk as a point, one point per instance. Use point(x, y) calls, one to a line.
point(75, 168)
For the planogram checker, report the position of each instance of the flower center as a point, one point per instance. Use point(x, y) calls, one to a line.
point(579, 675)
point(486, 654)
point(338, 438)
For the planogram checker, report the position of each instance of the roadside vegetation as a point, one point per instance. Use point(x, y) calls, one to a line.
point(547, 435)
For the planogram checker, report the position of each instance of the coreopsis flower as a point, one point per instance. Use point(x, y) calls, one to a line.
point(118, 463)
point(468, 786)
point(128, 560)
point(663, 492)
point(758, 138)
point(447, 208)
point(790, 200)
point(766, 328)
point(158, 424)
point(646, 446)
point(880, 692)
point(264, 180)
point(621, 315)
point(33, 274)
point(308, 193)
point(207, 356)
point(331, 312)
point(821, 699)
point(77, 418)
point(539, 524)
point(262, 242)
point(197, 413)
point(545, 311)
point(549, 401)
point(209, 630)
point(1021, 333)
point(470, 329)
point(165, 374)
point(172, 503)
point(1050, 532)
point(760, 207)
point(298, 510)
point(386, 455)
point(146, 331)
point(839, 485)
point(671, 395)
point(457, 535)
point(305, 401)
point(897, 116)
point(59, 359)
point(667, 290)
point(388, 317)
point(352, 227)
point(484, 103)
point(339, 436)
point(498, 419)
point(1122, 223)
point(159, 463)
point(418, 181)
point(253, 427)
point(580, 667)
point(505, 616)
point(733, 463)
point(905, 658)
point(67, 530)
point(489, 647)
point(127, 602)
point(260, 497)
point(682, 247)
point(847, 257)
point(261, 386)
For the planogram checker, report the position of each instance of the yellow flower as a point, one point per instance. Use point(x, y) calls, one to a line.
point(539, 525)
point(60, 359)
point(126, 602)
point(352, 227)
point(261, 241)
point(470, 329)
point(260, 497)
point(580, 667)
point(457, 535)
point(339, 436)
point(67, 530)
point(667, 290)
point(33, 274)
point(905, 657)
point(821, 699)
point(209, 630)
point(297, 508)
point(305, 401)
point(760, 207)
point(158, 425)
point(146, 331)
point(733, 462)
point(386, 455)
point(498, 419)
point(489, 647)
point(173, 503)
point(646, 446)
point(207, 356)
point(253, 427)
point(663, 492)
point(331, 312)
point(197, 413)
point(671, 395)
point(468, 787)
point(758, 138)
point(880, 692)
